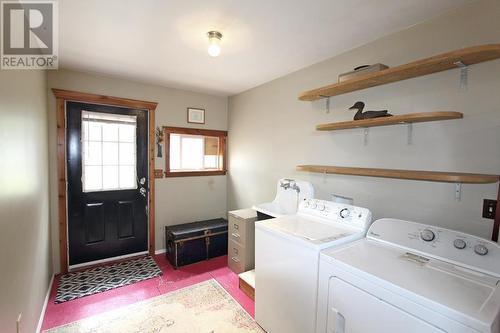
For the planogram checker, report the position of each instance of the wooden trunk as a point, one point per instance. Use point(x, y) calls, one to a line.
point(193, 242)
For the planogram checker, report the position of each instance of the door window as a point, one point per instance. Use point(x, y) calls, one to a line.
point(108, 151)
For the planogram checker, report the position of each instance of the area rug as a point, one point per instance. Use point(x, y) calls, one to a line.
point(201, 308)
point(103, 278)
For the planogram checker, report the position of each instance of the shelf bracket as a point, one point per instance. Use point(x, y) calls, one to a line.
point(464, 74)
point(458, 191)
point(366, 131)
point(409, 138)
point(327, 102)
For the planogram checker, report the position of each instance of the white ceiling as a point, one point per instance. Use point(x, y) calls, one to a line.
point(164, 42)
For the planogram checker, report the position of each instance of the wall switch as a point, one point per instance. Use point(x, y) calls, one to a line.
point(489, 209)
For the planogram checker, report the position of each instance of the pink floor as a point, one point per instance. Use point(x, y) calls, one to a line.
point(60, 314)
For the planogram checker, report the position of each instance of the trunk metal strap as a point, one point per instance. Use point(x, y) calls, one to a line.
point(202, 236)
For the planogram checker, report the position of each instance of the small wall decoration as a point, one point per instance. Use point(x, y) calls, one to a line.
point(367, 114)
point(196, 116)
point(159, 140)
point(158, 173)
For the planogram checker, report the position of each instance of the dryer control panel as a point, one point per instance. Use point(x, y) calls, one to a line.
point(347, 215)
point(431, 241)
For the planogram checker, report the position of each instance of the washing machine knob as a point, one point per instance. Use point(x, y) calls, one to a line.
point(344, 213)
point(321, 207)
point(459, 244)
point(427, 235)
point(313, 205)
point(481, 249)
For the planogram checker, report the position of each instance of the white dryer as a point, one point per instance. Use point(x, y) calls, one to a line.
point(287, 261)
point(410, 277)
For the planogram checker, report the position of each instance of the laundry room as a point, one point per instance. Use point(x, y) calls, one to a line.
point(234, 167)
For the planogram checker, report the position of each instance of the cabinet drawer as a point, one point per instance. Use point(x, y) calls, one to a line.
point(237, 230)
point(236, 257)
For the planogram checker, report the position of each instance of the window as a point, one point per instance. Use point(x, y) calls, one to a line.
point(108, 151)
point(194, 152)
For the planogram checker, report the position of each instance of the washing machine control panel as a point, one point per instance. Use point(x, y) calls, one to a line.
point(431, 241)
point(348, 215)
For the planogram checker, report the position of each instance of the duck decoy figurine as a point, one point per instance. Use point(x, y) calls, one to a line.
point(367, 114)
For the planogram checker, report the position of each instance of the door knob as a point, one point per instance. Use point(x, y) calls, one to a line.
point(142, 181)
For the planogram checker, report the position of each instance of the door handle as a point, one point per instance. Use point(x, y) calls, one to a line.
point(337, 323)
point(142, 191)
point(235, 259)
point(235, 235)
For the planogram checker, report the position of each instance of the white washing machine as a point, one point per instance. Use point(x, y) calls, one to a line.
point(287, 261)
point(410, 277)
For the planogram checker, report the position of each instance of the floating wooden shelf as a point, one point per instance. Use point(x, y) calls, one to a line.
point(438, 63)
point(398, 119)
point(432, 176)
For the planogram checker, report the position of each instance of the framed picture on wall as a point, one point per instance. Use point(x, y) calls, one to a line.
point(196, 116)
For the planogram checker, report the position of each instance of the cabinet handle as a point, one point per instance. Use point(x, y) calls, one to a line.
point(235, 235)
point(235, 259)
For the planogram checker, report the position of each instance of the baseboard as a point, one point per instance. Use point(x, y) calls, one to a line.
point(160, 251)
point(42, 315)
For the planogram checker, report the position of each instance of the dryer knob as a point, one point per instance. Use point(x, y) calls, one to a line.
point(481, 249)
point(313, 205)
point(427, 235)
point(459, 244)
point(321, 207)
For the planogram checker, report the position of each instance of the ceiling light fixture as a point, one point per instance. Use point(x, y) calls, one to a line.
point(214, 38)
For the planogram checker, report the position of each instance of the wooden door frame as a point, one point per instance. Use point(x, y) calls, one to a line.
point(63, 96)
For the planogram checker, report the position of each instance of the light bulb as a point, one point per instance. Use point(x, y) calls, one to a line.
point(214, 48)
point(214, 38)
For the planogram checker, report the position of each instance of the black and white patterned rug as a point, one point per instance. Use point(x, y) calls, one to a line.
point(99, 279)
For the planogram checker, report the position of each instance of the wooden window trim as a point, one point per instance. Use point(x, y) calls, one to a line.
point(62, 96)
point(222, 135)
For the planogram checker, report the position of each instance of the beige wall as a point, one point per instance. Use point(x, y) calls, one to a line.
point(178, 200)
point(271, 131)
point(24, 202)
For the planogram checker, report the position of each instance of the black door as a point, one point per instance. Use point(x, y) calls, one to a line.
point(107, 166)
